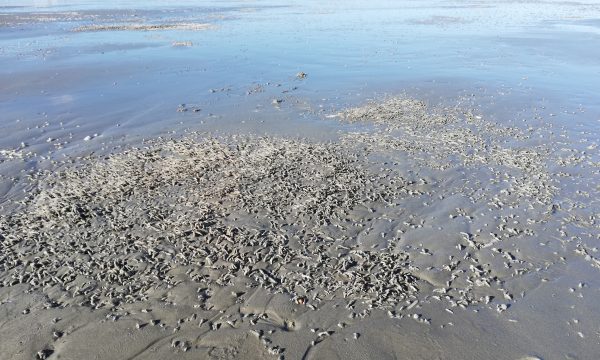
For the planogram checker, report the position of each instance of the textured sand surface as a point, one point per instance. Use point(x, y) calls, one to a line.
point(242, 180)
point(426, 229)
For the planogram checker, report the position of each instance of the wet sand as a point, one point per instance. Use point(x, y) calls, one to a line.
point(186, 181)
point(432, 220)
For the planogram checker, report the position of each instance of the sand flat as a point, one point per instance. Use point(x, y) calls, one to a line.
point(381, 180)
point(188, 234)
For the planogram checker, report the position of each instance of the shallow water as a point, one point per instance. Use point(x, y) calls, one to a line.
point(512, 57)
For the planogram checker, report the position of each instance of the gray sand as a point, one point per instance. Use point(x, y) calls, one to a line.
point(427, 229)
point(169, 192)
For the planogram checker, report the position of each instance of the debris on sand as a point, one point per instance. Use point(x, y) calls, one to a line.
point(452, 137)
point(144, 27)
point(182, 44)
point(422, 212)
point(114, 230)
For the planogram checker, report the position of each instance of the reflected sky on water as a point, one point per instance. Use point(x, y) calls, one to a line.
point(511, 55)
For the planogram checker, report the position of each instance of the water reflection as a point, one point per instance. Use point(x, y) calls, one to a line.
point(520, 51)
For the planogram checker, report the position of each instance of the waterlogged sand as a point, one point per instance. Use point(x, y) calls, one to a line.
point(142, 27)
point(109, 20)
point(421, 232)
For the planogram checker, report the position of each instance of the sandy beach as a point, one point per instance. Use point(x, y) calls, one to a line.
point(262, 244)
point(179, 209)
